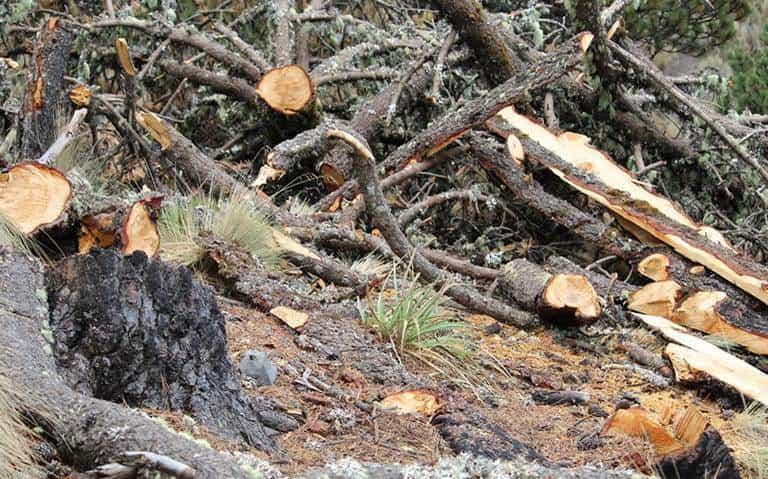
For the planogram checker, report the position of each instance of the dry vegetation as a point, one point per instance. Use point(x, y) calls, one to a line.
point(286, 237)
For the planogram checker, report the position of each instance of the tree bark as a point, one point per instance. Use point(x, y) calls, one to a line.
point(87, 432)
point(45, 90)
point(145, 333)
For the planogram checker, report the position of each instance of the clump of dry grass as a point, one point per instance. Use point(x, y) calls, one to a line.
point(17, 459)
point(11, 236)
point(750, 428)
point(232, 219)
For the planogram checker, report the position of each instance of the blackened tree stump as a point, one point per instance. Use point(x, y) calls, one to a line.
point(128, 329)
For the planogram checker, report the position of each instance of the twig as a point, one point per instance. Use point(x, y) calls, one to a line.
point(392, 108)
point(608, 16)
point(255, 56)
point(160, 463)
point(437, 79)
point(110, 8)
point(63, 140)
point(173, 96)
point(380, 74)
point(152, 59)
point(410, 214)
point(549, 111)
point(648, 168)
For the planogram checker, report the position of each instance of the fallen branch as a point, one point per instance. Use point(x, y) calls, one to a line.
point(449, 128)
point(563, 298)
point(384, 220)
point(593, 173)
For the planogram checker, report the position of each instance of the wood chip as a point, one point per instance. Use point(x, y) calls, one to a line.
point(124, 55)
point(291, 317)
point(155, 127)
point(412, 402)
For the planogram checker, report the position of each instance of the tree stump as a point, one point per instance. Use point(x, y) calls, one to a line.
point(128, 329)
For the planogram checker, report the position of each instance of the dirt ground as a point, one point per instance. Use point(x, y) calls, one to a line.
point(508, 367)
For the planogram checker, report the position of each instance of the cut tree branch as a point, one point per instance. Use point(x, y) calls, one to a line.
point(384, 220)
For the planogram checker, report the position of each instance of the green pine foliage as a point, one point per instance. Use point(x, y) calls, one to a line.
point(748, 88)
point(688, 26)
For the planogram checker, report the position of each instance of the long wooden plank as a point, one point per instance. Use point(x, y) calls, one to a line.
point(701, 355)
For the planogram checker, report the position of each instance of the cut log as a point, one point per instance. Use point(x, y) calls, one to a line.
point(565, 298)
point(138, 331)
point(286, 89)
point(33, 196)
point(714, 313)
point(593, 173)
point(693, 449)
point(130, 228)
point(655, 266)
point(607, 288)
point(658, 299)
point(699, 355)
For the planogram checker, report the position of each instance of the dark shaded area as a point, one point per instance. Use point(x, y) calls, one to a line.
point(710, 458)
point(468, 432)
point(139, 331)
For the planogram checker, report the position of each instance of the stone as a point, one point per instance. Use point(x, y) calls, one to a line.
point(257, 366)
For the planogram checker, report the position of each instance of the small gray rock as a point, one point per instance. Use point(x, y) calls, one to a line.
point(257, 365)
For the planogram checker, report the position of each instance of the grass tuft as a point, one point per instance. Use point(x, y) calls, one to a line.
point(370, 265)
point(232, 219)
point(11, 236)
point(413, 317)
point(750, 429)
point(17, 459)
